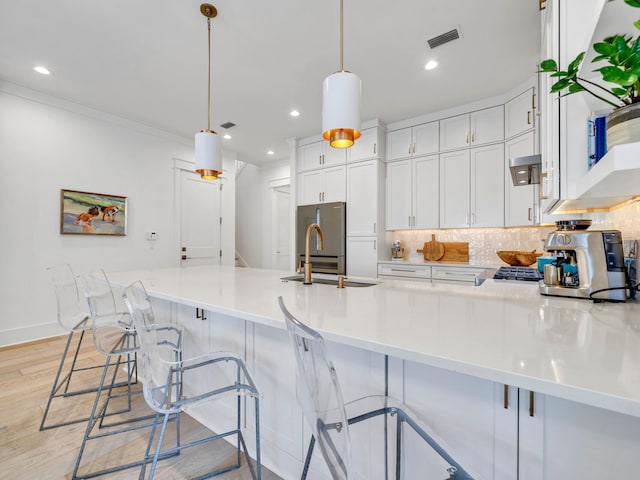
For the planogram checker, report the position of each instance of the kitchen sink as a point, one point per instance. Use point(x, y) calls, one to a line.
point(331, 281)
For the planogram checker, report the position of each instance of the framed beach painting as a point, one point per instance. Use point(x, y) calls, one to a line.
point(86, 213)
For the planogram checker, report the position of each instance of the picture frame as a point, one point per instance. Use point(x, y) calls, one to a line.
point(88, 213)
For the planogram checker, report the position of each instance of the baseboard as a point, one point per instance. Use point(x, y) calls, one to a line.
point(15, 336)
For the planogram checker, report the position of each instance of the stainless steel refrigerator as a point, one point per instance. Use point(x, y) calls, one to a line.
point(332, 218)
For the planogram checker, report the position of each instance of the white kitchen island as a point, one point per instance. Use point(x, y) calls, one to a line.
point(523, 386)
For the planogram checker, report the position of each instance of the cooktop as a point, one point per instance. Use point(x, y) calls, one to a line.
point(527, 274)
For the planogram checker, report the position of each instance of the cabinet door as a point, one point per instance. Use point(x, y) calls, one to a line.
point(310, 187)
point(310, 156)
point(335, 185)
point(519, 200)
point(333, 156)
point(518, 114)
point(362, 256)
point(399, 144)
point(365, 147)
point(487, 126)
point(362, 204)
point(487, 186)
point(425, 138)
point(426, 192)
point(399, 213)
point(454, 132)
point(454, 189)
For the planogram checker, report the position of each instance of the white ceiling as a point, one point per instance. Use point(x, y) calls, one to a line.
point(147, 61)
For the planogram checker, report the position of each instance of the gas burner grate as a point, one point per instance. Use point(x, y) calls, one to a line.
point(527, 274)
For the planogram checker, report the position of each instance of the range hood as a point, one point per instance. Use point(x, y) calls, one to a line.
point(525, 170)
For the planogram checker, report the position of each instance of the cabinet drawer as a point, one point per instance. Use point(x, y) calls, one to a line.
point(411, 271)
point(458, 274)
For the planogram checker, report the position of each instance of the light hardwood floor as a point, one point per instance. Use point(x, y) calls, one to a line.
point(26, 376)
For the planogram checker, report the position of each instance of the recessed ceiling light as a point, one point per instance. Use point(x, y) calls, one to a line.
point(431, 64)
point(42, 70)
point(226, 136)
point(294, 113)
point(270, 152)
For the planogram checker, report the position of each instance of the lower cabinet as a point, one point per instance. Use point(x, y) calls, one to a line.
point(496, 432)
point(362, 256)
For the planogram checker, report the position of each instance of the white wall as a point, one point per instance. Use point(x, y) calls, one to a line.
point(47, 144)
point(254, 204)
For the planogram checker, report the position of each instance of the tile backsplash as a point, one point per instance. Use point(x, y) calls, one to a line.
point(484, 242)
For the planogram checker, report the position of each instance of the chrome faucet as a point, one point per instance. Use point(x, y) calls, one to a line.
point(307, 260)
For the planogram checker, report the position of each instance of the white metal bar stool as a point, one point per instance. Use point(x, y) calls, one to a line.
point(169, 389)
point(73, 316)
point(115, 337)
point(320, 396)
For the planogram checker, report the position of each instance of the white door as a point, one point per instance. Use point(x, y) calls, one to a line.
point(426, 138)
point(362, 257)
point(310, 187)
point(335, 184)
point(362, 207)
point(426, 192)
point(199, 220)
point(454, 132)
point(399, 214)
point(487, 186)
point(399, 144)
point(518, 114)
point(455, 189)
point(487, 126)
point(281, 228)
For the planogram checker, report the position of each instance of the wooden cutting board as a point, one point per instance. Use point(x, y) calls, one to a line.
point(456, 252)
point(433, 250)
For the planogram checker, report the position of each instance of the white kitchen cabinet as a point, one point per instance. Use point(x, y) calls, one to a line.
point(362, 204)
point(362, 256)
point(318, 155)
point(472, 129)
point(520, 201)
point(404, 270)
point(366, 147)
point(413, 141)
point(487, 186)
point(455, 189)
point(450, 273)
point(322, 186)
point(519, 114)
point(472, 187)
point(413, 187)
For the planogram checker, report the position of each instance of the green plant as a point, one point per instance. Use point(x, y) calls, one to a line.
point(622, 52)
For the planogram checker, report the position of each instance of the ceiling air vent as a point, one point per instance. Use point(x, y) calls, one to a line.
point(447, 37)
point(228, 125)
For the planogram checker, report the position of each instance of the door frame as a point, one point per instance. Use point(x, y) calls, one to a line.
point(274, 186)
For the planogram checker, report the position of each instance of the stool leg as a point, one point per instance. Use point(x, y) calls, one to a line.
point(307, 460)
point(159, 446)
point(55, 387)
point(398, 445)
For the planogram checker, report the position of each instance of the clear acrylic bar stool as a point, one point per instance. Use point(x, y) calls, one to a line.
point(170, 389)
point(330, 419)
point(73, 316)
point(115, 337)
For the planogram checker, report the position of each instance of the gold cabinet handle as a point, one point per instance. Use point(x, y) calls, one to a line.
point(466, 139)
point(528, 117)
point(200, 313)
point(506, 396)
point(531, 396)
point(375, 146)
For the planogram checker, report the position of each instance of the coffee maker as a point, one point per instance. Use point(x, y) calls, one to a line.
point(589, 264)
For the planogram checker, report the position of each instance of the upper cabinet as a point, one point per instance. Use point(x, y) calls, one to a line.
point(472, 129)
point(519, 114)
point(319, 155)
point(412, 141)
point(366, 147)
point(567, 182)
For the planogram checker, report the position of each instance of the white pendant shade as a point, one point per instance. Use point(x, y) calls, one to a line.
point(341, 93)
point(208, 155)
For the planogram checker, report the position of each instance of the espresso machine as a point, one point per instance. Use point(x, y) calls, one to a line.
point(588, 264)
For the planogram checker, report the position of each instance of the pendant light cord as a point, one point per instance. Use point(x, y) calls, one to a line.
point(341, 36)
point(209, 77)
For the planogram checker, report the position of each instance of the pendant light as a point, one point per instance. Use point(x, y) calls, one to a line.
point(341, 102)
point(208, 147)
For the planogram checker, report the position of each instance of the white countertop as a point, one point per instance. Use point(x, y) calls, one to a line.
point(501, 331)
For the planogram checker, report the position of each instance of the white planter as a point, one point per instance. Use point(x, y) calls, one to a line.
point(623, 125)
